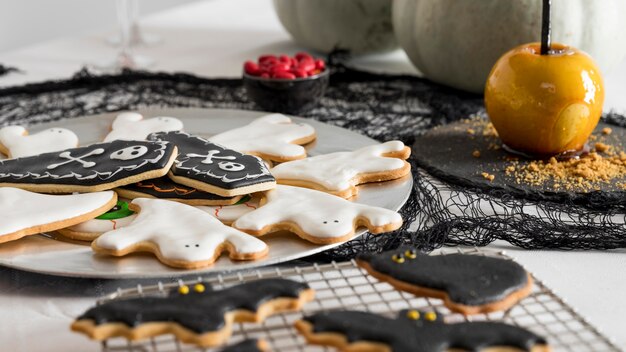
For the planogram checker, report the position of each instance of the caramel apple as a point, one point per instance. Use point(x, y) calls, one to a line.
point(544, 99)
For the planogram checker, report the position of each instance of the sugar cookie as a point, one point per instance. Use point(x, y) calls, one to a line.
point(229, 213)
point(273, 137)
point(315, 216)
point(27, 213)
point(339, 173)
point(116, 217)
point(131, 126)
point(468, 284)
point(212, 168)
point(414, 330)
point(196, 313)
point(15, 142)
point(165, 188)
point(93, 168)
point(179, 235)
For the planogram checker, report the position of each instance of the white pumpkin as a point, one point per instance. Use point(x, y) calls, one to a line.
point(360, 26)
point(456, 42)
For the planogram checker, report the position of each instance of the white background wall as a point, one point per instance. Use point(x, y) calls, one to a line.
point(24, 22)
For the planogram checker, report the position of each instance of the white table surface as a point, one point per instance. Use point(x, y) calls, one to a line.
point(213, 38)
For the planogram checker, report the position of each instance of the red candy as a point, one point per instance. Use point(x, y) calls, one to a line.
point(285, 67)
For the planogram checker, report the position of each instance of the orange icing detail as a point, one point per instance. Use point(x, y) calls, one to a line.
point(177, 190)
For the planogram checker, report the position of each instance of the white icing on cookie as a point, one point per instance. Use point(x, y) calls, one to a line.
point(132, 126)
point(101, 226)
point(271, 135)
point(316, 213)
point(20, 144)
point(229, 213)
point(180, 232)
point(339, 171)
point(23, 210)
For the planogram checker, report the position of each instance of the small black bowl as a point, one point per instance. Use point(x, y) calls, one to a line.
point(289, 96)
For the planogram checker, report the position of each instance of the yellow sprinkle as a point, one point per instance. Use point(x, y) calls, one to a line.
point(198, 288)
point(411, 254)
point(413, 315)
point(398, 258)
point(430, 316)
point(183, 290)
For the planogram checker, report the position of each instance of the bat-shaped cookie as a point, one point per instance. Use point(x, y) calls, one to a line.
point(468, 284)
point(414, 331)
point(131, 126)
point(212, 168)
point(272, 137)
point(196, 314)
point(251, 345)
point(165, 188)
point(179, 235)
point(93, 168)
point(339, 173)
point(15, 142)
point(315, 216)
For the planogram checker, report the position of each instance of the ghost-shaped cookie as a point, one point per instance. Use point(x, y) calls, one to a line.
point(179, 235)
point(26, 213)
point(316, 216)
point(339, 173)
point(15, 142)
point(132, 126)
point(272, 137)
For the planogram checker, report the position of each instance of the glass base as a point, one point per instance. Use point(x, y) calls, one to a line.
point(123, 61)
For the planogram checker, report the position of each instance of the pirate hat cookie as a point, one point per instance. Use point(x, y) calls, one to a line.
point(92, 168)
point(27, 213)
point(212, 168)
point(272, 137)
point(468, 284)
point(414, 331)
point(315, 216)
point(179, 235)
point(131, 126)
point(15, 142)
point(196, 313)
point(339, 173)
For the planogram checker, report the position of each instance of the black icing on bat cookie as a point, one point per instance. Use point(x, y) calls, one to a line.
point(165, 188)
point(91, 166)
point(213, 165)
point(417, 331)
point(251, 345)
point(196, 308)
point(467, 280)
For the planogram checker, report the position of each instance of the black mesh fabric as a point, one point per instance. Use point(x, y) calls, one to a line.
point(383, 107)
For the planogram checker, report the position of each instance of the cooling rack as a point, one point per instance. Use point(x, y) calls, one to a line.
point(345, 286)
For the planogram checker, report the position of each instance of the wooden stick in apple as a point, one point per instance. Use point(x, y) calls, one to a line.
point(545, 27)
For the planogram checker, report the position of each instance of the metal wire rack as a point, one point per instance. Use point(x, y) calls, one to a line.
point(346, 286)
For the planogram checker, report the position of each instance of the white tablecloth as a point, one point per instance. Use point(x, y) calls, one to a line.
point(213, 38)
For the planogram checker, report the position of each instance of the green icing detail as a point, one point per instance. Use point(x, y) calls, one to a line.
point(244, 199)
point(120, 210)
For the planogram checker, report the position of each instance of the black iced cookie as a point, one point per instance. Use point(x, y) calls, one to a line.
point(251, 345)
point(93, 168)
point(415, 331)
point(215, 169)
point(469, 284)
point(165, 188)
point(198, 309)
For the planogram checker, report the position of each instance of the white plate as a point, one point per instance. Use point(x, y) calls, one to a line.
point(42, 254)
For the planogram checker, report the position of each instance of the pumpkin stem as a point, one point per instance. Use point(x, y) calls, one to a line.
point(545, 28)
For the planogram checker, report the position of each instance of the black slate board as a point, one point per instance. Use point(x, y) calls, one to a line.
point(446, 153)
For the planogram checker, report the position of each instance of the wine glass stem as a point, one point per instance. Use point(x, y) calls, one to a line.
point(124, 16)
